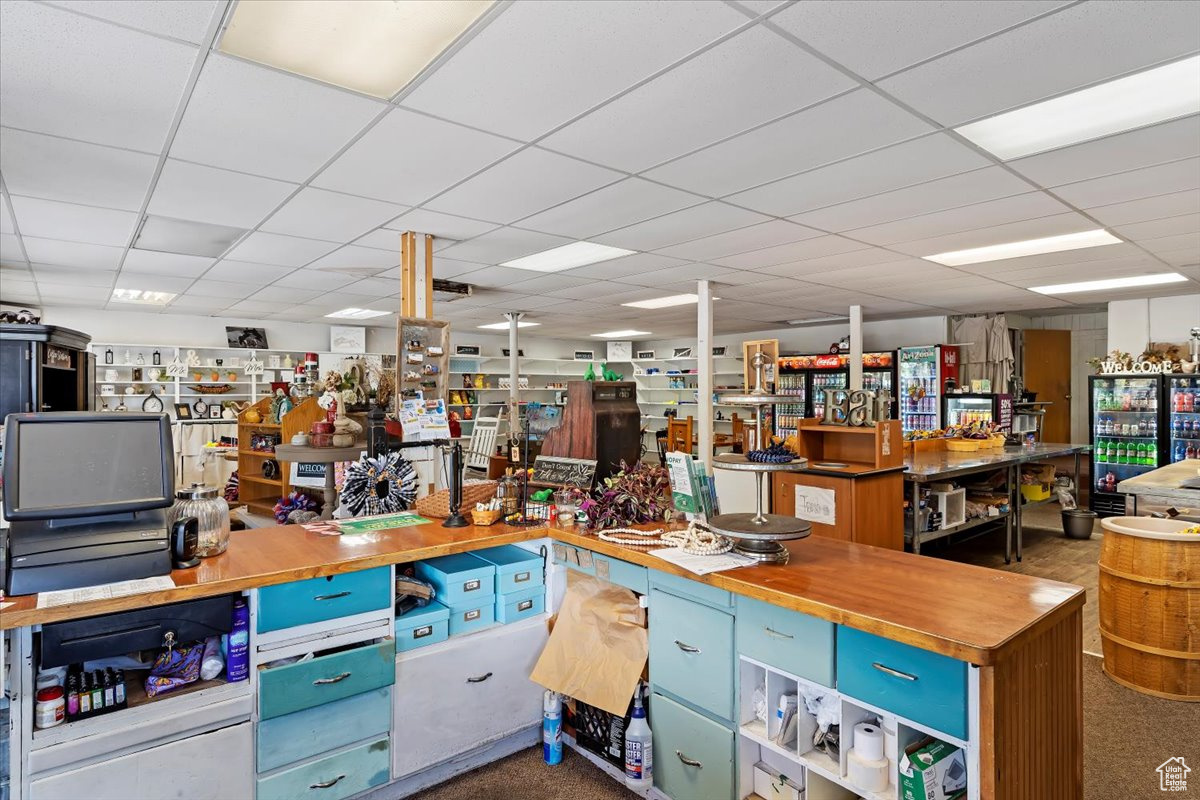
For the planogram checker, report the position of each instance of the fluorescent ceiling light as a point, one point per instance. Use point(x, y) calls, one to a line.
point(142, 296)
point(568, 256)
point(503, 326)
point(819, 320)
point(1156, 95)
point(1029, 247)
point(620, 334)
point(357, 313)
point(666, 302)
point(1110, 283)
point(371, 46)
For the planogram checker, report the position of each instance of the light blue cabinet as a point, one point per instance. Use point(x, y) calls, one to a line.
point(622, 573)
point(685, 587)
point(787, 640)
point(304, 684)
point(304, 734)
point(332, 777)
point(691, 652)
point(693, 756)
point(321, 599)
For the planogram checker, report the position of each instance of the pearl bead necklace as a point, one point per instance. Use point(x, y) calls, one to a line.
point(697, 539)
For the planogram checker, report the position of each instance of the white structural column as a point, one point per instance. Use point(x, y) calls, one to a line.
point(704, 366)
point(856, 347)
point(514, 367)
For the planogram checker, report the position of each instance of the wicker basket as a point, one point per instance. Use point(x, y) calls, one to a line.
point(962, 445)
point(438, 503)
point(486, 517)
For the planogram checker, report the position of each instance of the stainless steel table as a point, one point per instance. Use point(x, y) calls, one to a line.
point(941, 465)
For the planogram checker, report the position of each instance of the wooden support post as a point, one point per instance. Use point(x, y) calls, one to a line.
point(408, 274)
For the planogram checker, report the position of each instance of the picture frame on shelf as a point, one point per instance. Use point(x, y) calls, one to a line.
point(620, 351)
point(507, 352)
point(214, 411)
point(682, 352)
point(585, 355)
point(183, 411)
point(347, 339)
point(246, 338)
point(645, 355)
point(719, 351)
point(466, 350)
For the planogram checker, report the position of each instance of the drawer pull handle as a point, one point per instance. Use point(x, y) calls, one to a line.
point(780, 634)
point(691, 762)
point(895, 673)
point(334, 679)
point(333, 596)
point(325, 784)
point(687, 648)
point(479, 678)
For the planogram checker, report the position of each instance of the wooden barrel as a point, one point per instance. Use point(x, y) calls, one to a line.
point(1150, 606)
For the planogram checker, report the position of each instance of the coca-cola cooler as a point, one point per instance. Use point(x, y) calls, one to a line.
point(808, 376)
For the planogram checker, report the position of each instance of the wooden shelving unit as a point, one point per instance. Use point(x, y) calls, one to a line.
point(257, 492)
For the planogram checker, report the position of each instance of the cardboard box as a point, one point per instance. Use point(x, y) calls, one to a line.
point(933, 770)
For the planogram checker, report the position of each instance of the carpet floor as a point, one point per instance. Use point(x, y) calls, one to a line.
point(524, 776)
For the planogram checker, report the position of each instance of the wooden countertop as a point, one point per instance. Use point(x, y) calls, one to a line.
point(968, 612)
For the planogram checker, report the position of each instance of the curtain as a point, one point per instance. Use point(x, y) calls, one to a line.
point(984, 350)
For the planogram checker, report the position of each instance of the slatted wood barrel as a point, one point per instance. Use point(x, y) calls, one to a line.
point(1150, 606)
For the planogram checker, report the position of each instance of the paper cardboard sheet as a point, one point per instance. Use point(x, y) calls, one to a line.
point(598, 648)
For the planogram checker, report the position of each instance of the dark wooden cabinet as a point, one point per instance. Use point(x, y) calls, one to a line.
point(43, 368)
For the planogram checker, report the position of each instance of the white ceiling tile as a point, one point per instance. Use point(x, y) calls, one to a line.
point(1081, 45)
point(1159, 228)
point(901, 165)
point(69, 222)
point(283, 251)
point(6, 225)
point(337, 217)
point(966, 218)
point(245, 272)
point(548, 284)
point(151, 282)
point(1148, 208)
point(179, 19)
point(72, 76)
point(408, 158)
point(450, 268)
point(10, 249)
point(315, 279)
point(245, 117)
point(626, 265)
point(879, 278)
point(442, 226)
point(753, 237)
point(218, 289)
point(540, 64)
point(67, 293)
point(74, 172)
point(19, 292)
point(884, 261)
point(285, 294)
point(196, 305)
point(88, 279)
point(681, 226)
point(786, 253)
point(523, 184)
point(352, 256)
point(845, 126)
point(1182, 257)
point(206, 194)
point(1166, 244)
point(616, 206)
point(1056, 225)
point(503, 244)
point(688, 273)
point(150, 262)
point(71, 254)
point(494, 278)
point(1133, 185)
point(253, 308)
point(744, 81)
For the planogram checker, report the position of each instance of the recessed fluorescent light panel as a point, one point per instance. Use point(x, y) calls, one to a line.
point(1110, 283)
point(503, 326)
point(143, 297)
point(357, 313)
point(371, 46)
point(666, 302)
point(620, 334)
point(1155, 95)
point(1029, 247)
point(569, 256)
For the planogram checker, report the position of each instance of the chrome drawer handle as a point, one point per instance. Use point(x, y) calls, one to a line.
point(333, 596)
point(334, 679)
point(687, 648)
point(780, 634)
point(691, 762)
point(895, 673)
point(325, 784)
point(480, 678)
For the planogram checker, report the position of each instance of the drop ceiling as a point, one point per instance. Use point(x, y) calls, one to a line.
point(798, 154)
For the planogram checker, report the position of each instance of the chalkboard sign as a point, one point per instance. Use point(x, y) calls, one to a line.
point(558, 471)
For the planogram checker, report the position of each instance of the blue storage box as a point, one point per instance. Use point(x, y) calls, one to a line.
point(472, 616)
point(517, 569)
point(518, 605)
point(422, 626)
point(460, 578)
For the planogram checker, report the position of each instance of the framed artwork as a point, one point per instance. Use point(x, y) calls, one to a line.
point(719, 351)
point(585, 355)
point(620, 351)
point(214, 411)
point(246, 338)
point(347, 339)
point(682, 352)
point(645, 355)
point(183, 411)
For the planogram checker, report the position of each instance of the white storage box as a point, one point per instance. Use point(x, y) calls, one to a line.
point(952, 505)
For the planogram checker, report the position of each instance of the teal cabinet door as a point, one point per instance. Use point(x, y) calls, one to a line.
point(305, 684)
point(686, 587)
point(691, 652)
point(787, 640)
point(333, 777)
point(304, 734)
point(320, 599)
point(622, 573)
point(693, 756)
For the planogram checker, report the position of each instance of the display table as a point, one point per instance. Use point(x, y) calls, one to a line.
point(1162, 486)
point(321, 455)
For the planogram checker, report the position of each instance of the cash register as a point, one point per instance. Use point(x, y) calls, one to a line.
point(86, 495)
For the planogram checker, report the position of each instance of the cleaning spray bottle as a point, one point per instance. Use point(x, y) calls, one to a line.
point(639, 747)
point(552, 727)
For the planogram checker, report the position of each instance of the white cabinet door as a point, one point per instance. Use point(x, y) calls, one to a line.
point(464, 694)
point(212, 766)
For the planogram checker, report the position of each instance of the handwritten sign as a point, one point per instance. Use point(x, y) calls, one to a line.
point(177, 369)
point(253, 365)
point(560, 471)
point(816, 505)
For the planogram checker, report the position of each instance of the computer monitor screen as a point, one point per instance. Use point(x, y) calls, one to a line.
point(83, 464)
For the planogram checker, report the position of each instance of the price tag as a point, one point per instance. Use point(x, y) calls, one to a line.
point(176, 369)
point(253, 366)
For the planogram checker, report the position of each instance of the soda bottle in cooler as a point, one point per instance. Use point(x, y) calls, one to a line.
point(1101, 451)
point(1179, 453)
point(1121, 454)
point(1191, 450)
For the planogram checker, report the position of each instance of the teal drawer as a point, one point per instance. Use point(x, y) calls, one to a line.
point(517, 569)
point(925, 687)
point(622, 573)
point(422, 627)
point(516, 606)
point(304, 684)
point(472, 616)
point(577, 558)
point(691, 652)
point(693, 756)
point(320, 599)
point(332, 777)
point(458, 578)
point(304, 734)
point(786, 640)
point(685, 587)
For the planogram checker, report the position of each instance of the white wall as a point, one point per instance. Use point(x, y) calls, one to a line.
point(1134, 323)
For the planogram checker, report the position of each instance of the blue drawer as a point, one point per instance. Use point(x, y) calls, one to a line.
point(460, 578)
point(622, 573)
point(516, 568)
point(305, 684)
point(516, 606)
point(577, 558)
point(304, 734)
point(925, 687)
point(332, 777)
point(320, 599)
point(422, 627)
point(472, 616)
point(691, 652)
point(693, 756)
point(685, 587)
point(786, 640)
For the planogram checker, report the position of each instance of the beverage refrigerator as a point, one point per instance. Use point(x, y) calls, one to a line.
point(1182, 417)
point(974, 407)
point(807, 376)
point(923, 372)
point(1126, 415)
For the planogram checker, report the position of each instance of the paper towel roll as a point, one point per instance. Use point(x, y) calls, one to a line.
point(868, 741)
point(870, 776)
point(889, 738)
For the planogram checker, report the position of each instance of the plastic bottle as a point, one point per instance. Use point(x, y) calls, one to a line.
point(552, 727)
point(237, 665)
point(639, 748)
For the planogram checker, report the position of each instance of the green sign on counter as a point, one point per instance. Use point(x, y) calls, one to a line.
point(401, 519)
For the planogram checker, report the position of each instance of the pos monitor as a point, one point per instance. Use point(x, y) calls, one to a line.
point(86, 495)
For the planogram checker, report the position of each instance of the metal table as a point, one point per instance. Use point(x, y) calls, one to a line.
point(941, 465)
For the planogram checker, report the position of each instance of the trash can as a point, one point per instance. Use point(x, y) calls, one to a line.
point(1077, 523)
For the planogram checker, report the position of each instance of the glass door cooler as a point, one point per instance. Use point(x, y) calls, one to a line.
point(808, 376)
point(923, 372)
point(971, 408)
point(1127, 421)
point(793, 382)
point(1183, 417)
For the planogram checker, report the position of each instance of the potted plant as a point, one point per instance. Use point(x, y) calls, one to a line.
point(637, 494)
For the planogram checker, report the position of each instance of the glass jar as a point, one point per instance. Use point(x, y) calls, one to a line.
point(210, 510)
